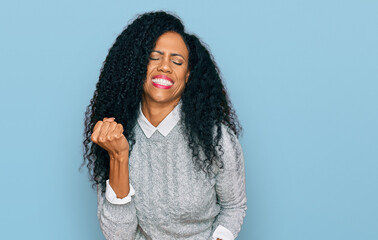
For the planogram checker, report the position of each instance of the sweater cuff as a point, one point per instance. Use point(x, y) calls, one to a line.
point(223, 233)
point(112, 197)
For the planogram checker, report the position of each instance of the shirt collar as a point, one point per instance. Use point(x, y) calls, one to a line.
point(165, 126)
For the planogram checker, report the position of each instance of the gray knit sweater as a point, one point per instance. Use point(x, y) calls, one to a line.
point(173, 200)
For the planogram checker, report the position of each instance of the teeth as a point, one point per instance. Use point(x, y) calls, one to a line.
point(161, 81)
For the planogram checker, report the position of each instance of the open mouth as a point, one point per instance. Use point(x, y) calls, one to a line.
point(162, 81)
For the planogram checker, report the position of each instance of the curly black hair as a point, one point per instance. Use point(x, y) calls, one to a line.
point(205, 103)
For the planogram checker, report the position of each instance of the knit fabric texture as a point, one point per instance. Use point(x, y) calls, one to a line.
point(172, 199)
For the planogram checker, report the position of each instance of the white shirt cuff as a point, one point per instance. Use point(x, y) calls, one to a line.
point(112, 197)
point(223, 233)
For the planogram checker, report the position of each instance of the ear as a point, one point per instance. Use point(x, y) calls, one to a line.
point(187, 76)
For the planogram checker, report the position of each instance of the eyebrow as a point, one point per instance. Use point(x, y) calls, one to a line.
point(172, 54)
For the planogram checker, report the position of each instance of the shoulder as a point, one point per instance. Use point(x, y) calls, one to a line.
point(230, 149)
point(228, 137)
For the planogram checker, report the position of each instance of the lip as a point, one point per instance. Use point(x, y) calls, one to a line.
point(161, 86)
point(163, 77)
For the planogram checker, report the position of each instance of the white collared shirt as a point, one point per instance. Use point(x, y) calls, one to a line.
point(164, 127)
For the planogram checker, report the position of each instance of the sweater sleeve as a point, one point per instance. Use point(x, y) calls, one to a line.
point(230, 185)
point(117, 221)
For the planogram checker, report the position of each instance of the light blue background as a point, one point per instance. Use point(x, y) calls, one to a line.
point(302, 76)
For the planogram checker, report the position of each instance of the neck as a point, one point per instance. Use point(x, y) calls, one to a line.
point(155, 112)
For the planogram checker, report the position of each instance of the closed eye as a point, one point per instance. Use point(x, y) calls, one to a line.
point(177, 63)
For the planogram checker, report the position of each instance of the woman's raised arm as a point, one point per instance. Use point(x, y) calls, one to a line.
point(116, 212)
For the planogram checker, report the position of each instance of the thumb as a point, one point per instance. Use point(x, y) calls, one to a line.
point(109, 119)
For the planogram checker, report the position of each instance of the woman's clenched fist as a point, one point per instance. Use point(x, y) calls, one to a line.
point(108, 134)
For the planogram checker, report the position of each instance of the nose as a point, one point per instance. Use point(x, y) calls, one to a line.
point(165, 66)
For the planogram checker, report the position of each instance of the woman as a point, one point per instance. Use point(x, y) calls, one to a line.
point(167, 164)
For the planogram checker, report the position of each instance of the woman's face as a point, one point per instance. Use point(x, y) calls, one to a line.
point(167, 70)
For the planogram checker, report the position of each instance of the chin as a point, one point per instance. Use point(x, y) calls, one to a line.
point(158, 98)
